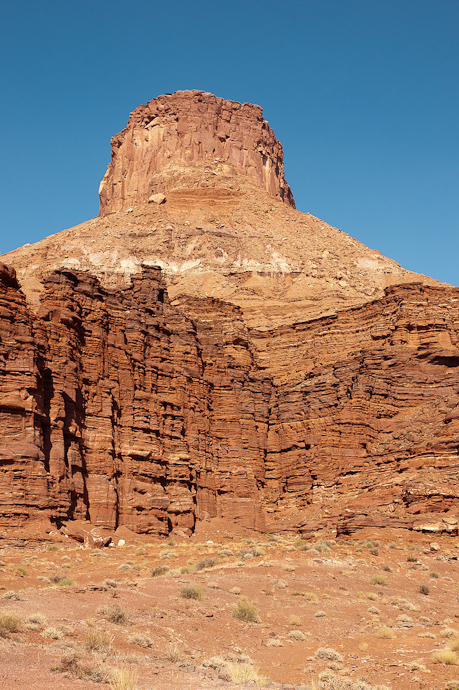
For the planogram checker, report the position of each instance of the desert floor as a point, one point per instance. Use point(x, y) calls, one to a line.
point(225, 607)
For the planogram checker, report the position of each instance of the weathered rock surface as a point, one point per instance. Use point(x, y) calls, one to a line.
point(220, 354)
point(120, 409)
point(172, 137)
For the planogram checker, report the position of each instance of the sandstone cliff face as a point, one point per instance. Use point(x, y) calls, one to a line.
point(119, 408)
point(222, 354)
point(172, 137)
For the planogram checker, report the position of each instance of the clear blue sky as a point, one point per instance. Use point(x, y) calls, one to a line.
point(363, 94)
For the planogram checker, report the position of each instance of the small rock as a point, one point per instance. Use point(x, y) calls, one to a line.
point(434, 546)
point(157, 199)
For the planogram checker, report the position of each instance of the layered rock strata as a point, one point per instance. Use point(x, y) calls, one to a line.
point(119, 408)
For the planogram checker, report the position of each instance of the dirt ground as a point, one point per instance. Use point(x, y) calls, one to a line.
point(346, 614)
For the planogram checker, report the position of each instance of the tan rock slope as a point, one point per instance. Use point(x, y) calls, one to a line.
point(202, 349)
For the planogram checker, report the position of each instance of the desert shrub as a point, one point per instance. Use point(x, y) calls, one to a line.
point(140, 640)
point(159, 570)
point(387, 568)
point(53, 547)
point(191, 592)
point(114, 614)
point(110, 583)
point(235, 590)
point(379, 580)
point(245, 611)
point(434, 575)
point(141, 551)
point(225, 553)
point(297, 635)
point(20, 570)
point(412, 558)
point(167, 555)
point(445, 656)
point(454, 644)
point(322, 546)
point(206, 563)
point(424, 589)
point(449, 633)
point(8, 624)
point(97, 640)
point(329, 654)
point(73, 665)
point(65, 582)
point(13, 596)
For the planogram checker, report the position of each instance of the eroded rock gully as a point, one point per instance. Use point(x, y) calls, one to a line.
point(118, 407)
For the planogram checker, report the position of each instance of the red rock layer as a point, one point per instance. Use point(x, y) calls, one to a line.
point(168, 140)
point(118, 408)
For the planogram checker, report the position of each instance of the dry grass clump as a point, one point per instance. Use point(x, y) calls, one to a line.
point(448, 632)
point(174, 655)
point(114, 614)
point(379, 580)
point(36, 620)
point(123, 679)
point(206, 563)
point(329, 654)
point(434, 575)
point(235, 590)
point(311, 596)
point(385, 633)
point(191, 592)
point(75, 666)
point(445, 656)
point(245, 611)
point(293, 619)
point(140, 640)
point(97, 640)
point(274, 642)
point(454, 644)
point(424, 589)
point(8, 624)
point(237, 671)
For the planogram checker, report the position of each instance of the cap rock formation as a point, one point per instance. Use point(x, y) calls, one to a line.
point(204, 350)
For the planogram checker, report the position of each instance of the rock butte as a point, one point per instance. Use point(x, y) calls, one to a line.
point(204, 350)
